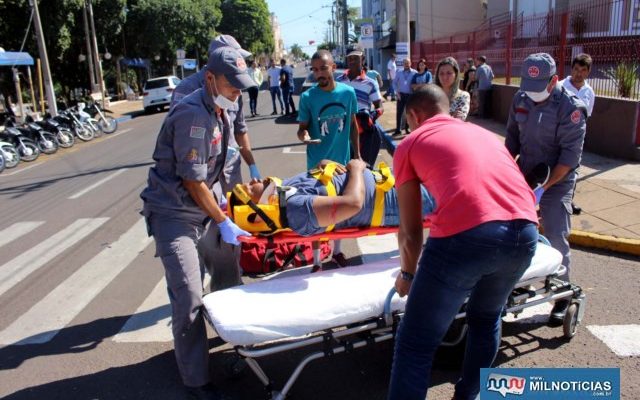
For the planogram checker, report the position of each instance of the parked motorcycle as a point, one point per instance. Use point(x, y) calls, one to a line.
point(8, 152)
point(45, 140)
point(68, 119)
point(64, 135)
point(27, 148)
point(87, 119)
point(106, 123)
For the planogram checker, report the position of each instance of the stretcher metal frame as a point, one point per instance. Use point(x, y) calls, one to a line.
point(345, 339)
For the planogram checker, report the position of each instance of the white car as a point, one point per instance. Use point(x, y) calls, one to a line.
point(157, 92)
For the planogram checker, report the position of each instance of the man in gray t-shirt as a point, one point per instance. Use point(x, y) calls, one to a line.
point(484, 77)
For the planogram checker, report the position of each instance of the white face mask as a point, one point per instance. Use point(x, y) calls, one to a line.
point(538, 97)
point(221, 101)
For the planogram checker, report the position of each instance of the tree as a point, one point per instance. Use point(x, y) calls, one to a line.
point(296, 51)
point(160, 27)
point(248, 21)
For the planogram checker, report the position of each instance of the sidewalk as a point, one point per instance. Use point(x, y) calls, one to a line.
point(125, 109)
point(608, 192)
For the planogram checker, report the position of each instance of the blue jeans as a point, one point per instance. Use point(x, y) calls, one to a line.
point(275, 91)
point(287, 97)
point(392, 209)
point(482, 263)
point(392, 90)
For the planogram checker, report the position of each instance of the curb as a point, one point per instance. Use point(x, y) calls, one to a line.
point(594, 240)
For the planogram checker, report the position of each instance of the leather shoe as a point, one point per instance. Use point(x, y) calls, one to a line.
point(559, 310)
point(205, 392)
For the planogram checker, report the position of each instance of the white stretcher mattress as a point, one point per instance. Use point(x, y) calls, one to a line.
point(299, 305)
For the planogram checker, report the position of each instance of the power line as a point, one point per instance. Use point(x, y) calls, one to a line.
point(303, 16)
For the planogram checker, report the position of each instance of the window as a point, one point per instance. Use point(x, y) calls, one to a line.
point(156, 83)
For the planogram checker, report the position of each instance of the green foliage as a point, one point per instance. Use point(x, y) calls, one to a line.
point(625, 76)
point(296, 52)
point(327, 46)
point(248, 21)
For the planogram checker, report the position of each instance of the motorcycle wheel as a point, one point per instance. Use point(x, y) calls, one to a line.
point(31, 145)
point(65, 138)
point(95, 127)
point(11, 156)
point(50, 139)
point(83, 132)
point(108, 124)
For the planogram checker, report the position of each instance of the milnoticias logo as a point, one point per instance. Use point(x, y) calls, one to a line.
point(504, 384)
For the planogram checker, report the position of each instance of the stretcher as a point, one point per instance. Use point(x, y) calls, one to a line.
point(340, 310)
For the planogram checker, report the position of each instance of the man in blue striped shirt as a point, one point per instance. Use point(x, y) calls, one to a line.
point(367, 90)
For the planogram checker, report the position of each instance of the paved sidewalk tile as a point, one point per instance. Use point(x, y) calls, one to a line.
point(601, 199)
point(589, 223)
point(623, 216)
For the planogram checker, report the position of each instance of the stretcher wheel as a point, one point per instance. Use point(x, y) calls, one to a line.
point(235, 366)
point(570, 323)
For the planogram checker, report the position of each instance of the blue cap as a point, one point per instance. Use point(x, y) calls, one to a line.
point(227, 41)
point(537, 70)
point(229, 62)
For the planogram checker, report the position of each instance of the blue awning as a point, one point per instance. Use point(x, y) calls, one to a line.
point(11, 58)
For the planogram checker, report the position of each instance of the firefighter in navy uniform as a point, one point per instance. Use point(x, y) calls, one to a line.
point(221, 259)
point(547, 125)
point(189, 158)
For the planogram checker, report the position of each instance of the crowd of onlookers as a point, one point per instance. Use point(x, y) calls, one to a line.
point(468, 86)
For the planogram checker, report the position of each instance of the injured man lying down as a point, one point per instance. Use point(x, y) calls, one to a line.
point(329, 197)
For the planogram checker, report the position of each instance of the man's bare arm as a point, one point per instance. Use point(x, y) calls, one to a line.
point(330, 210)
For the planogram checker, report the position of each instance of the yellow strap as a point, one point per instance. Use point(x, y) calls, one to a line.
point(383, 186)
point(326, 177)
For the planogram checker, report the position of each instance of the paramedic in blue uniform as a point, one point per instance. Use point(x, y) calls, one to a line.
point(189, 158)
point(213, 251)
point(547, 125)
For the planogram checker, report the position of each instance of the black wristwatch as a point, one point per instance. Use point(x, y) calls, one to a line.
point(407, 276)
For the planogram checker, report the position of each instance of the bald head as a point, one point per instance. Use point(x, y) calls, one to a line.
point(323, 55)
point(426, 102)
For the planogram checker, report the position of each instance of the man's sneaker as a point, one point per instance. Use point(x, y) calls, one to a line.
point(386, 96)
point(205, 392)
point(274, 113)
point(340, 260)
point(559, 310)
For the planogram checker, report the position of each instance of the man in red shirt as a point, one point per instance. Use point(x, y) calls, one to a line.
point(483, 236)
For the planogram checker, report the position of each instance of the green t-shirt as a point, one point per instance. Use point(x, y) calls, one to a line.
point(329, 117)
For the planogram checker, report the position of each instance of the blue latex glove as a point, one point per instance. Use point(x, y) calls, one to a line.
point(253, 171)
point(231, 231)
point(538, 192)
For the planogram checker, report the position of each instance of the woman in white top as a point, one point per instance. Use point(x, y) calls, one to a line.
point(256, 75)
point(448, 78)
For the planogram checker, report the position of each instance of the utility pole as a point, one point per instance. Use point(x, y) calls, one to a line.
point(98, 62)
point(403, 36)
point(42, 49)
point(92, 76)
point(345, 28)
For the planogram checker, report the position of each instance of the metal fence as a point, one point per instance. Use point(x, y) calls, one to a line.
point(607, 30)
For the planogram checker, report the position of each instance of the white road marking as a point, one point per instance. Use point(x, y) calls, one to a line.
point(43, 321)
point(95, 185)
point(20, 267)
point(152, 320)
point(16, 230)
point(287, 150)
point(378, 247)
point(624, 340)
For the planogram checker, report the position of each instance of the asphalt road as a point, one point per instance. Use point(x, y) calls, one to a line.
point(82, 295)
